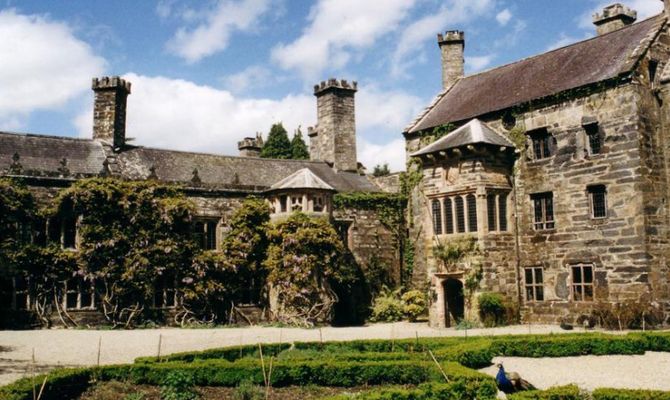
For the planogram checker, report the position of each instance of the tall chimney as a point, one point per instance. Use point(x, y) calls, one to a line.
point(667, 7)
point(336, 124)
point(613, 18)
point(452, 46)
point(109, 110)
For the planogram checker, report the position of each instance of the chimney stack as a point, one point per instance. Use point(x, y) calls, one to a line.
point(452, 46)
point(334, 139)
point(667, 7)
point(109, 110)
point(614, 17)
point(251, 147)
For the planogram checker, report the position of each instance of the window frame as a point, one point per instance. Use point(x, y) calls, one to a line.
point(448, 207)
point(594, 135)
point(471, 211)
point(542, 144)
point(80, 284)
point(583, 285)
point(459, 206)
point(27, 292)
point(165, 292)
point(543, 199)
point(436, 211)
point(593, 191)
point(534, 286)
point(206, 229)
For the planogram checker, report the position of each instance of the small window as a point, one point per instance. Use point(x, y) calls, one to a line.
point(317, 202)
point(283, 200)
point(448, 216)
point(472, 212)
point(594, 138)
point(69, 233)
point(534, 284)
point(543, 211)
point(653, 71)
point(210, 235)
point(165, 291)
point(21, 293)
point(437, 217)
point(296, 203)
point(491, 212)
point(79, 294)
point(502, 212)
point(598, 200)
point(541, 140)
point(204, 234)
point(460, 214)
point(582, 282)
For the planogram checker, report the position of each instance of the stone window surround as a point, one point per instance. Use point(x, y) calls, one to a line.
point(207, 222)
point(542, 144)
point(499, 197)
point(25, 290)
point(585, 284)
point(81, 290)
point(316, 202)
point(536, 286)
point(65, 227)
point(592, 191)
point(547, 221)
point(446, 223)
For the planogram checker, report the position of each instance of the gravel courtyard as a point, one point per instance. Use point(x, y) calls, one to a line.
point(59, 347)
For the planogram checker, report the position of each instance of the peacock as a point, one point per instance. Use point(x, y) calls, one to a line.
point(511, 382)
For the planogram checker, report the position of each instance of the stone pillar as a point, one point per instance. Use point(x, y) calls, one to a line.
point(336, 137)
point(614, 17)
point(109, 110)
point(452, 47)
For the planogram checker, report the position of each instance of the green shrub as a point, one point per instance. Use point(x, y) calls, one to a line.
point(248, 391)
point(178, 385)
point(626, 394)
point(387, 307)
point(492, 309)
point(451, 391)
point(570, 392)
point(414, 304)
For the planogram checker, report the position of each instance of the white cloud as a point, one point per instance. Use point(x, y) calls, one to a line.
point(43, 67)
point(391, 153)
point(644, 8)
point(414, 35)
point(214, 28)
point(251, 77)
point(178, 114)
point(504, 17)
point(478, 63)
point(336, 29)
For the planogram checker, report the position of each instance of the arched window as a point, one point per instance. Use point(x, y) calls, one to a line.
point(472, 212)
point(460, 214)
point(437, 217)
point(448, 216)
point(502, 212)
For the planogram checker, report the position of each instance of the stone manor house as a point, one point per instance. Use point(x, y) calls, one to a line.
point(558, 169)
point(555, 168)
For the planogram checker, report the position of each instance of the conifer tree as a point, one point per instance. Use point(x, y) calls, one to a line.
point(298, 147)
point(278, 145)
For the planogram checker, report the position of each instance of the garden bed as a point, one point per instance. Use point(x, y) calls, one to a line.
point(398, 369)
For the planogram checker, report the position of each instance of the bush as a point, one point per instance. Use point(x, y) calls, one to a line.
point(625, 394)
point(451, 391)
point(248, 391)
point(570, 392)
point(492, 309)
point(178, 385)
point(414, 304)
point(387, 307)
point(627, 315)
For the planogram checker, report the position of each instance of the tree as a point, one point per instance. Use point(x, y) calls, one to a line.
point(298, 147)
point(278, 145)
point(381, 170)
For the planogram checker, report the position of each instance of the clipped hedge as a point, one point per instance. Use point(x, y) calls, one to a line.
point(225, 353)
point(570, 392)
point(61, 384)
point(626, 394)
point(446, 391)
point(560, 346)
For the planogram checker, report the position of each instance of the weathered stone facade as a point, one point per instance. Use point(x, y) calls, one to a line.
point(586, 190)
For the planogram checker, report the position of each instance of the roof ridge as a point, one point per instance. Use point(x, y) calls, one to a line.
point(560, 48)
point(39, 135)
point(316, 162)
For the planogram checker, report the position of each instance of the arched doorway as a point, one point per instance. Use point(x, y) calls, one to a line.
point(454, 302)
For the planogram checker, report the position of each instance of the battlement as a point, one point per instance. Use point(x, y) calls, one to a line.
point(614, 17)
point(451, 37)
point(335, 84)
point(312, 131)
point(110, 82)
point(250, 146)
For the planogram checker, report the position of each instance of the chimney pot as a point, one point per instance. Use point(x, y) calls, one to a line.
point(109, 109)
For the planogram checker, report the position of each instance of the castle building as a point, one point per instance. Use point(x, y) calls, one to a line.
point(555, 170)
point(216, 184)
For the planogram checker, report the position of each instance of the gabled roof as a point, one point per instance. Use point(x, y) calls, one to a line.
point(595, 60)
point(302, 179)
point(474, 132)
point(40, 155)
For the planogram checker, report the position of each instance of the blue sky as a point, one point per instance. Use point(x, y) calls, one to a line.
point(207, 73)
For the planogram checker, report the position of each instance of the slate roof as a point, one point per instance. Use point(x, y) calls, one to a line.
point(42, 156)
point(598, 59)
point(474, 132)
point(302, 179)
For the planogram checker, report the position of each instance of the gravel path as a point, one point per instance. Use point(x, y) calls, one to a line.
point(649, 371)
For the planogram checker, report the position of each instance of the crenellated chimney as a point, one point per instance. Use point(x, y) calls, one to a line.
point(334, 138)
point(667, 8)
point(251, 147)
point(452, 46)
point(109, 110)
point(614, 17)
